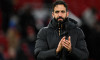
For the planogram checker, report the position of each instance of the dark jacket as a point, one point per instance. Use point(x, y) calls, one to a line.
point(48, 39)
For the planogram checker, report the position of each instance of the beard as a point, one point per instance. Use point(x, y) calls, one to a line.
point(60, 21)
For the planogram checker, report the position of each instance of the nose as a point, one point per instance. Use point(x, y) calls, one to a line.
point(60, 14)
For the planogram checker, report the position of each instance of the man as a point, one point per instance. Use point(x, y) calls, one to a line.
point(61, 39)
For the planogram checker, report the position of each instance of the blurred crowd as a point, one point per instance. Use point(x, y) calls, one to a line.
point(20, 21)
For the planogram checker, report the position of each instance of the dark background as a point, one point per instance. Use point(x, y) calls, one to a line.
point(20, 21)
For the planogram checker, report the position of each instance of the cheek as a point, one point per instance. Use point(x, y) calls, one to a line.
point(56, 16)
point(64, 15)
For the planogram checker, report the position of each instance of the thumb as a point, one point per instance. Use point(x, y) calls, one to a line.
point(69, 38)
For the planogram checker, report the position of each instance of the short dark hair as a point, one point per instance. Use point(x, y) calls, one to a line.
point(59, 3)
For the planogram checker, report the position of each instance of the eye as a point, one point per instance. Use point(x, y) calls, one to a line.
point(63, 11)
point(56, 11)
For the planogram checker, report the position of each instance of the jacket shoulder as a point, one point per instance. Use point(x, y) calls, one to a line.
point(80, 32)
point(42, 30)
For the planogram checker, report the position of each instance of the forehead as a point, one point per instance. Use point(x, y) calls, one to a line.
point(59, 7)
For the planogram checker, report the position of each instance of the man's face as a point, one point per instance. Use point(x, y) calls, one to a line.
point(60, 13)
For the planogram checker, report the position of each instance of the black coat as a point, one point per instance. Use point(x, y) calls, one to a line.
point(48, 39)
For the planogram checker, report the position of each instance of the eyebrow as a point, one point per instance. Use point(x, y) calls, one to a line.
point(59, 11)
point(56, 11)
point(63, 11)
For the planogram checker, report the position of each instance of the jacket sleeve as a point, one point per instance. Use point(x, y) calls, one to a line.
point(80, 50)
point(41, 47)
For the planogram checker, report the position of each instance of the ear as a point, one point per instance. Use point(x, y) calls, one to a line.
point(67, 14)
point(53, 14)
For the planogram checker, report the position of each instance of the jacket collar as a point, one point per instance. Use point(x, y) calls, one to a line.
point(69, 24)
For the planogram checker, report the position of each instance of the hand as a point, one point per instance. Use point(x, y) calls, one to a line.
point(67, 44)
point(60, 45)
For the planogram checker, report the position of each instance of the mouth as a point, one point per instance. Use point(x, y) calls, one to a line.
point(60, 19)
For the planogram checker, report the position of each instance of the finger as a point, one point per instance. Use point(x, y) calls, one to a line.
point(65, 43)
point(63, 38)
point(62, 41)
point(66, 46)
